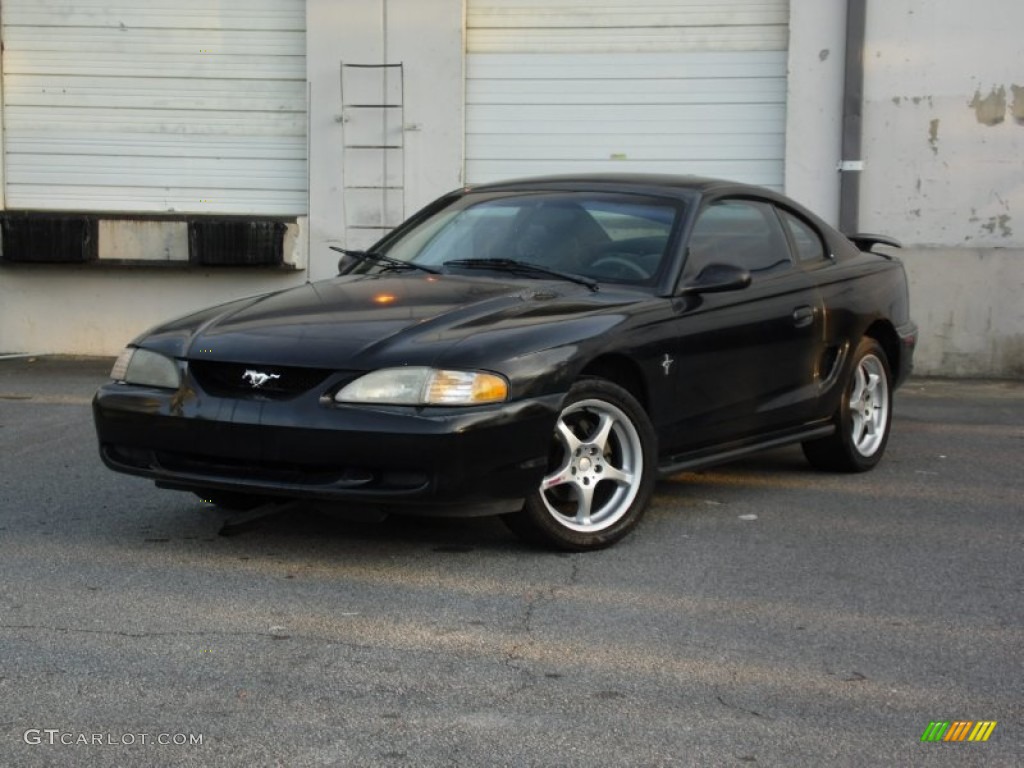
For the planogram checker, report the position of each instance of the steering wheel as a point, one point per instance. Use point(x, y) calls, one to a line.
point(621, 267)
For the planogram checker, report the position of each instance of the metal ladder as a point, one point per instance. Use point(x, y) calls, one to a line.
point(373, 143)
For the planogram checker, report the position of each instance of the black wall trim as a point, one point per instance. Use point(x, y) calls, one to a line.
point(234, 242)
point(41, 238)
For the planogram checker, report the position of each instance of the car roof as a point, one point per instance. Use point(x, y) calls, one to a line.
point(686, 188)
point(657, 183)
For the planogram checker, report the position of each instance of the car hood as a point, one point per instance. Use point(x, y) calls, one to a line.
point(367, 321)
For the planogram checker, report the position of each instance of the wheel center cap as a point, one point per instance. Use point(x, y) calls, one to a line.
point(585, 464)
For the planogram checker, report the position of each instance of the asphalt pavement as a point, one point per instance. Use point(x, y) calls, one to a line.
point(763, 614)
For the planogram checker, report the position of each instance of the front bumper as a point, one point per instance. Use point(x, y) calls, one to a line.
point(433, 461)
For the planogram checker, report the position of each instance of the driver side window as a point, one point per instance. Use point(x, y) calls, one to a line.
point(741, 233)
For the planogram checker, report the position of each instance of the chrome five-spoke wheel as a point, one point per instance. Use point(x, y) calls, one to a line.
point(862, 421)
point(600, 471)
point(598, 460)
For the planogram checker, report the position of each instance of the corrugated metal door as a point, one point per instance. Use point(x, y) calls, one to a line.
point(155, 105)
point(671, 86)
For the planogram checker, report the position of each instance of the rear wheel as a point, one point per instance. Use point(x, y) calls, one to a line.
point(864, 417)
point(601, 472)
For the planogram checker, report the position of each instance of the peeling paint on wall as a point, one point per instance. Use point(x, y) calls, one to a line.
point(990, 110)
point(933, 135)
point(1018, 103)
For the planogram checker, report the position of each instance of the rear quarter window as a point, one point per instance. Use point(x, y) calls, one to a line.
point(808, 244)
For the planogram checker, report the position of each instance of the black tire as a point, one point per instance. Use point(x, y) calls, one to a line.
point(603, 455)
point(864, 416)
point(231, 501)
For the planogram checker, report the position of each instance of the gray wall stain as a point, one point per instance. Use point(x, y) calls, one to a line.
point(933, 135)
point(824, 54)
point(1018, 103)
point(990, 110)
point(915, 100)
point(1002, 222)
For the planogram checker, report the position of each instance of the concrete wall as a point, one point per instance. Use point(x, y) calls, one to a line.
point(814, 109)
point(95, 311)
point(944, 173)
point(967, 302)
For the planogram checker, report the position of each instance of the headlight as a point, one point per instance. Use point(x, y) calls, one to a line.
point(149, 369)
point(425, 386)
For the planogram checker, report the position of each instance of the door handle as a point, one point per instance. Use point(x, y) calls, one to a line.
point(803, 316)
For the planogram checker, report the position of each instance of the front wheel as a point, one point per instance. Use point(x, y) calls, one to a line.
point(601, 472)
point(864, 417)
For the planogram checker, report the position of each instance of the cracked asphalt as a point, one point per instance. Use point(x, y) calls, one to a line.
point(763, 614)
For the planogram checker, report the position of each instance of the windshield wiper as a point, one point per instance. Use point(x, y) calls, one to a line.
point(380, 258)
point(513, 265)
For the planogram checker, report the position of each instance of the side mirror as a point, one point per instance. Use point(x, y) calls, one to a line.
point(718, 278)
point(347, 261)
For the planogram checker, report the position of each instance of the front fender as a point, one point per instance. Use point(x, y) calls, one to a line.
point(538, 360)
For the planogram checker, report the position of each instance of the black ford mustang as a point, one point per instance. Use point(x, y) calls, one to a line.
point(536, 349)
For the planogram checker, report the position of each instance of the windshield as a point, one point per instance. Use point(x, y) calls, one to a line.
point(606, 237)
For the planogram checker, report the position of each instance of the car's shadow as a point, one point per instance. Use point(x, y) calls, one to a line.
point(786, 461)
point(294, 525)
point(301, 522)
point(310, 526)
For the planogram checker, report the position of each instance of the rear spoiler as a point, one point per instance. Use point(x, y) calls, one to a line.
point(865, 242)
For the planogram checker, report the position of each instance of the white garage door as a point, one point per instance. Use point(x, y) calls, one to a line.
point(666, 86)
point(146, 106)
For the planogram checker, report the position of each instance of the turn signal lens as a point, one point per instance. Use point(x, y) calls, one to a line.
point(466, 388)
point(120, 369)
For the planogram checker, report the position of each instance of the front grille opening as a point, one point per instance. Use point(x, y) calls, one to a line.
point(290, 473)
point(255, 381)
